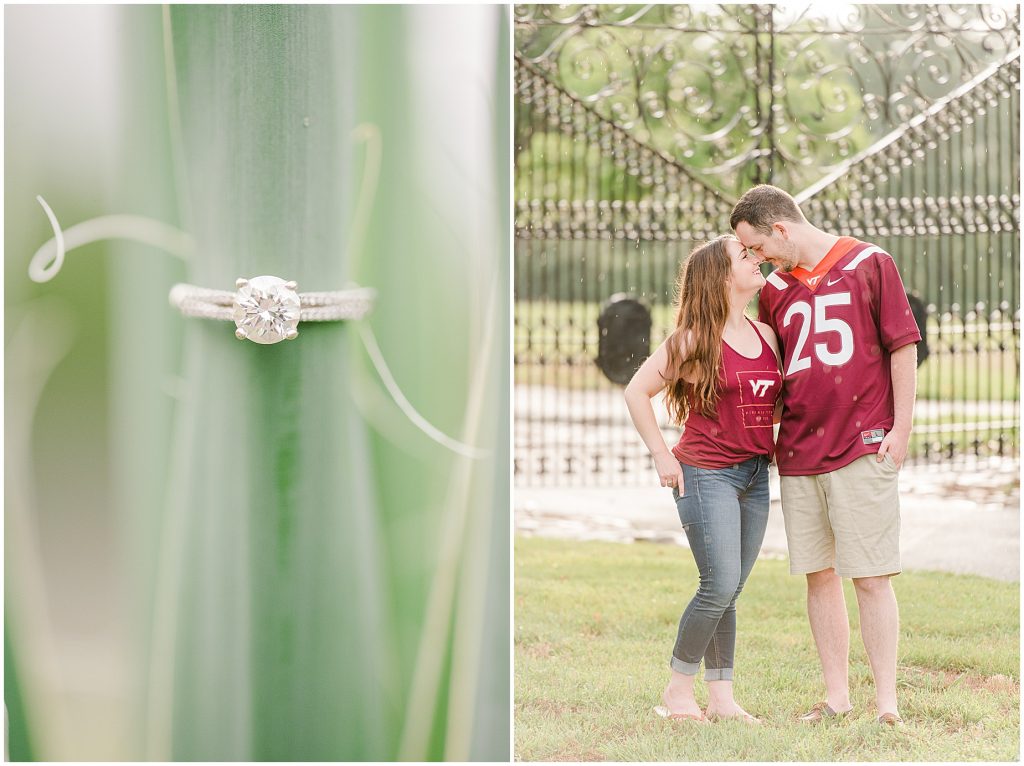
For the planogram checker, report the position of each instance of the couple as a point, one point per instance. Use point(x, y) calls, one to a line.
point(835, 320)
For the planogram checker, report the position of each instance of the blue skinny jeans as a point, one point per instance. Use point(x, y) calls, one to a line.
point(724, 512)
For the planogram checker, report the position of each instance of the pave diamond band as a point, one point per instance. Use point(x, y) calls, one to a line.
point(315, 307)
point(267, 309)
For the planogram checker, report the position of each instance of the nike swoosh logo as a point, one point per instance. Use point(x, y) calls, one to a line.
point(833, 281)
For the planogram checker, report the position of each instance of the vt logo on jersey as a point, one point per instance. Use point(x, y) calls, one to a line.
point(758, 391)
point(812, 281)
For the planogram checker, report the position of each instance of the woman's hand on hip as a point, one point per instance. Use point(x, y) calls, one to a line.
point(669, 470)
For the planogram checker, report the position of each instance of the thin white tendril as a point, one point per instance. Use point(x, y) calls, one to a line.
point(35, 273)
point(38, 343)
point(49, 259)
point(370, 342)
point(368, 134)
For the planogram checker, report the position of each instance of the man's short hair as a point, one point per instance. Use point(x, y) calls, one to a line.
point(763, 205)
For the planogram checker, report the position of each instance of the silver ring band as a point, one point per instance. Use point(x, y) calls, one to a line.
point(333, 306)
point(268, 309)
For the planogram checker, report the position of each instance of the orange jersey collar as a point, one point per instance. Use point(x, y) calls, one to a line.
point(811, 279)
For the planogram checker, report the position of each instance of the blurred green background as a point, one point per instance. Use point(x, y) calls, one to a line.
point(216, 551)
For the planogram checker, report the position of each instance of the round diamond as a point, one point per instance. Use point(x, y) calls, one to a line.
point(266, 310)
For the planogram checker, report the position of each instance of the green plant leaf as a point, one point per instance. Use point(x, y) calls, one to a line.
point(272, 630)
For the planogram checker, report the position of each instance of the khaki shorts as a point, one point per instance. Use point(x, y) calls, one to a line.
point(848, 519)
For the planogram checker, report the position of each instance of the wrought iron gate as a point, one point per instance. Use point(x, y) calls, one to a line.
point(636, 129)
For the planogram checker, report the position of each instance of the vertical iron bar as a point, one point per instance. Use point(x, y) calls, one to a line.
point(980, 165)
point(908, 268)
point(950, 257)
point(964, 242)
point(597, 290)
point(544, 299)
point(771, 94)
point(996, 356)
point(593, 245)
point(931, 168)
point(1013, 120)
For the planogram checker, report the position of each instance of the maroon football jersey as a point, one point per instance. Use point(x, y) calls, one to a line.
point(747, 391)
point(837, 327)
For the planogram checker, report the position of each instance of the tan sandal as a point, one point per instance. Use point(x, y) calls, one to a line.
point(891, 719)
point(664, 712)
point(820, 711)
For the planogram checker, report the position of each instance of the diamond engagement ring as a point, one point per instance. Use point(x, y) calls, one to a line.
point(268, 309)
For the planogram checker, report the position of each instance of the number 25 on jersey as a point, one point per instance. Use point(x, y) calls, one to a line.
point(816, 320)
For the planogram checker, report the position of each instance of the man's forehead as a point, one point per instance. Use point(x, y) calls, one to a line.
point(748, 235)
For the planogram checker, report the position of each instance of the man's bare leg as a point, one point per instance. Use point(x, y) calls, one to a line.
point(830, 626)
point(879, 627)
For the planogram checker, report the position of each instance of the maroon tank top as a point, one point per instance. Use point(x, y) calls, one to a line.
point(742, 429)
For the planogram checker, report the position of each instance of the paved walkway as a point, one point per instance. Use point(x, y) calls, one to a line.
point(964, 521)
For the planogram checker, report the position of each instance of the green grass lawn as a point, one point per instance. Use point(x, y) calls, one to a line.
point(595, 624)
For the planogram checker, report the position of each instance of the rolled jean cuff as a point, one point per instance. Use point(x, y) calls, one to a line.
point(717, 674)
point(686, 668)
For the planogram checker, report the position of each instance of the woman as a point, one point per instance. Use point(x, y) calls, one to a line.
point(721, 374)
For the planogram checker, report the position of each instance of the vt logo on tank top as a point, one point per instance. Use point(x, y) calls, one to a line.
point(758, 390)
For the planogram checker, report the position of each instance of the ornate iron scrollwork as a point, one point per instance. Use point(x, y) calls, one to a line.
point(747, 93)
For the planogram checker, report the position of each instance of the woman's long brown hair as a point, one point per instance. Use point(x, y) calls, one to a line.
point(702, 306)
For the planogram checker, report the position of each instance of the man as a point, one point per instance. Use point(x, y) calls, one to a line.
point(849, 354)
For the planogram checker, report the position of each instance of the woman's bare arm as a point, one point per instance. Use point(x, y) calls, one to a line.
point(647, 382)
